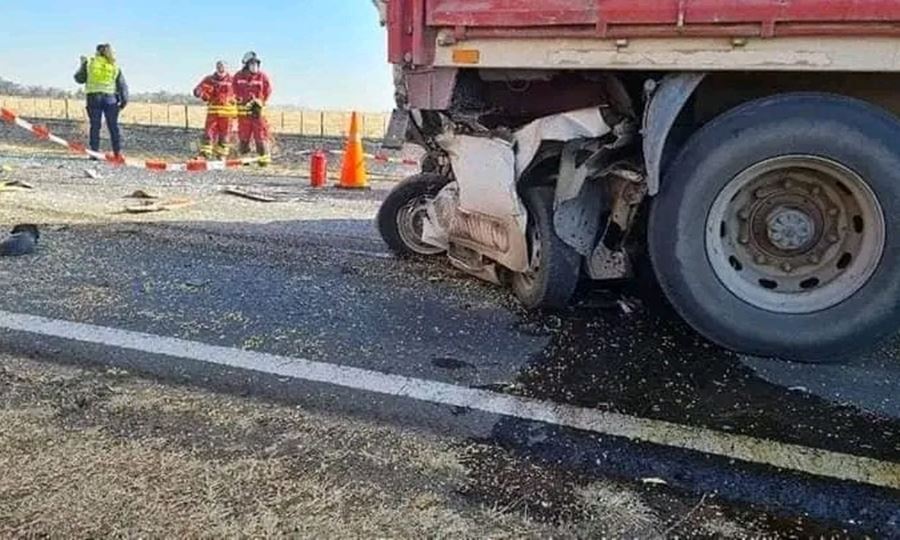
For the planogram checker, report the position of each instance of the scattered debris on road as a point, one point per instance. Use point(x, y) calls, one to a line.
point(249, 194)
point(92, 174)
point(21, 241)
point(141, 194)
point(654, 481)
point(151, 206)
point(267, 194)
point(629, 305)
point(15, 185)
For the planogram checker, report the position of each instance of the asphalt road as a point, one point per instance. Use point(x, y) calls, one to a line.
point(310, 279)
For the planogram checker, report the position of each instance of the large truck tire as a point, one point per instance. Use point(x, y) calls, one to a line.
point(404, 210)
point(555, 267)
point(776, 230)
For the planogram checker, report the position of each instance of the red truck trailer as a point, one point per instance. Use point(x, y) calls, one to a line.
point(747, 150)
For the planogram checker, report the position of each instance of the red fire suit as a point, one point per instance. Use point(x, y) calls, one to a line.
point(253, 91)
point(218, 93)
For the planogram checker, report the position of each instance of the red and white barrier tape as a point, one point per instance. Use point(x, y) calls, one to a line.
point(381, 158)
point(195, 165)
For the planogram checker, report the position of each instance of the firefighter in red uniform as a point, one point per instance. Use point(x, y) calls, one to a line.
point(253, 90)
point(217, 90)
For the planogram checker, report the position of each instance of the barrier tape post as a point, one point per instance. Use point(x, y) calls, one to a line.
point(41, 132)
point(8, 116)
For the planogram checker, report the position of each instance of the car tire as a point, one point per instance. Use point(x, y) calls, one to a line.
point(556, 267)
point(400, 215)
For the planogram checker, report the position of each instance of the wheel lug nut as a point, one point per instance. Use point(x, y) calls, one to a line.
point(814, 259)
point(744, 214)
point(744, 239)
point(788, 184)
point(815, 190)
point(787, 267)
point(759, 193)
point(833, 238)
point(833, 211)
point(760, 259)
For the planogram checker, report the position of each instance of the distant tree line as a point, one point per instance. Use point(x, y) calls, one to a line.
point(162, 96)
point(9, 88)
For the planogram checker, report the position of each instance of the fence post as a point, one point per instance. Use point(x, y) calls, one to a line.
point(282, 121)
point(301, 123)
point(67, 108)
point(168, 115)
point(187, 118)
point(362, 120)
point(322, 124)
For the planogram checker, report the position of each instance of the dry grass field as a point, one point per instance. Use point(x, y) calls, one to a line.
point(283, 120)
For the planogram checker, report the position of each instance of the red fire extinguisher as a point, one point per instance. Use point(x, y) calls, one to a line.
point(318, 169)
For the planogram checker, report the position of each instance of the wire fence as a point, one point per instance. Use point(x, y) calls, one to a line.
point(313, 123)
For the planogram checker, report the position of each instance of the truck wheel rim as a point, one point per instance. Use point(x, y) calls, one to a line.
point(795, 234)
point(410, 221)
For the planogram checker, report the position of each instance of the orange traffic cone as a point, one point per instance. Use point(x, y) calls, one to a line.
point(353, 171)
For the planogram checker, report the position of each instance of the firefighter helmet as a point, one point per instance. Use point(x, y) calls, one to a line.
point(250, 57)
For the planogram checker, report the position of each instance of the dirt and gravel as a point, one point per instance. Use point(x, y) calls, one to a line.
point(308, 277)
point(90, 454)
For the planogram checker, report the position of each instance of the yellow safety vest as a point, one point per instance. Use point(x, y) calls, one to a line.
point(101, 76)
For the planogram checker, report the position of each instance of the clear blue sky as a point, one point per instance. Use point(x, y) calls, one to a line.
point(328, 54)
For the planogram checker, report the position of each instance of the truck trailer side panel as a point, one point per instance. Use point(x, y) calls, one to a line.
point(423, 33)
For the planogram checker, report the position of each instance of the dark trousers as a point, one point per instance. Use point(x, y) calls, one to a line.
point(98, 107)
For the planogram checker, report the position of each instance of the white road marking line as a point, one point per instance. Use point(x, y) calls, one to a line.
point(786, 456)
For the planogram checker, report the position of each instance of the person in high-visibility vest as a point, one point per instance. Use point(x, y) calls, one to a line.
point(217, 90)
point(253, 90)
point(107, 94)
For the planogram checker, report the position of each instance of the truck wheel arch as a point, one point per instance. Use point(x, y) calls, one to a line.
point(669, 98)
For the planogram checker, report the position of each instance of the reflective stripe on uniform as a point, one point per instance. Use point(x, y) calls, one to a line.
point(230, 111)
